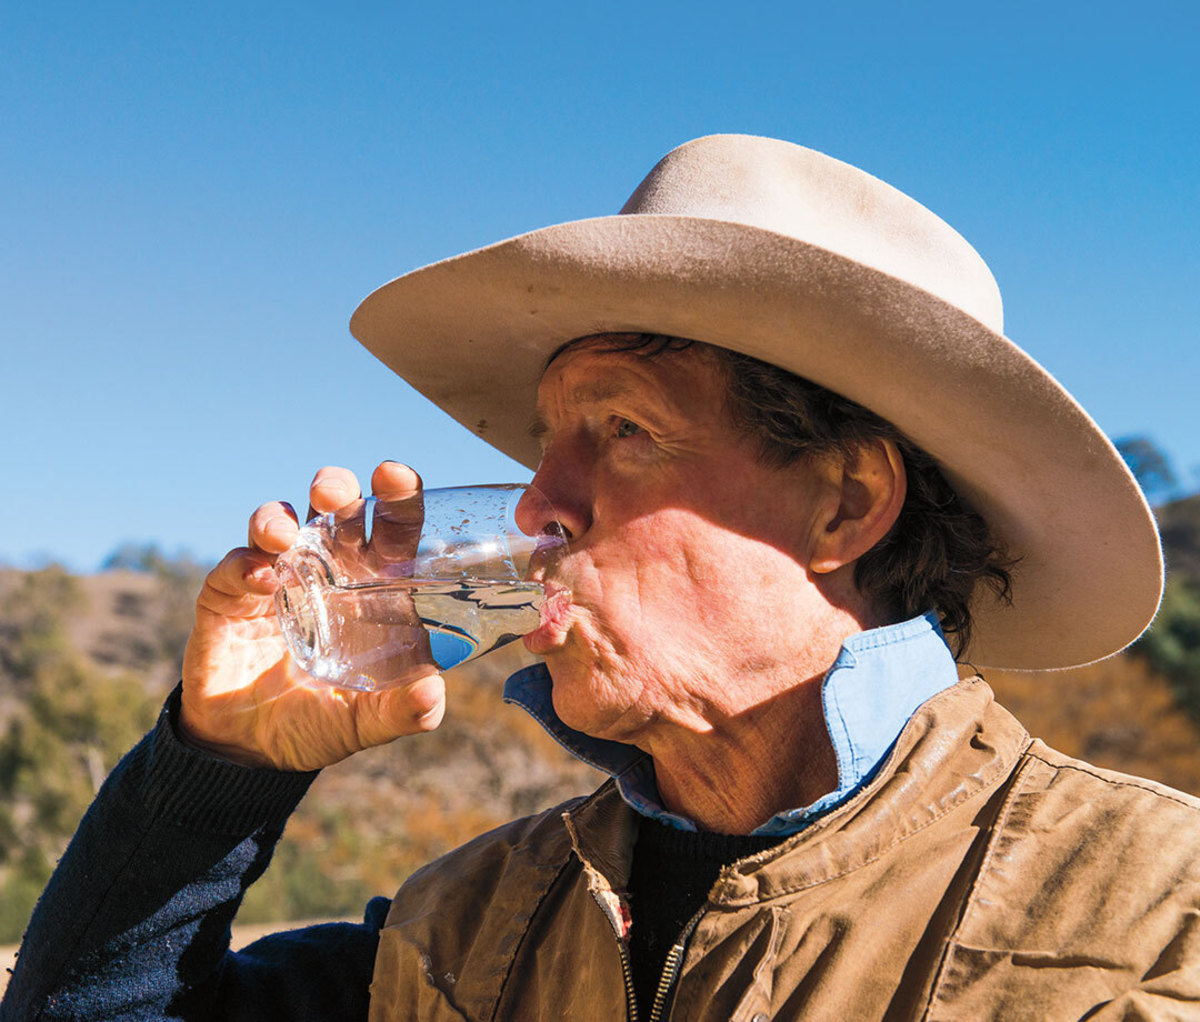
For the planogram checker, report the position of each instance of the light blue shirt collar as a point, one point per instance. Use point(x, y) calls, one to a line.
point(875, 685)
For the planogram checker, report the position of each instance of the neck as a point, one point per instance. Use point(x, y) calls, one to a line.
point(757, 743)
point(737, 775)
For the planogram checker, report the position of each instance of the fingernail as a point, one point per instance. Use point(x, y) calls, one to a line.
point(333, 488)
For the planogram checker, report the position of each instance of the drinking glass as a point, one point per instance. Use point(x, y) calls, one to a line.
point(380, 587)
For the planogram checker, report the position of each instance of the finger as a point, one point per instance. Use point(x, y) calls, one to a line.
point(393, 480)
point(399, 515)
point(243, 570)
point(238, 585)
point(273, 527)
point(422, 706)
point(332, 488)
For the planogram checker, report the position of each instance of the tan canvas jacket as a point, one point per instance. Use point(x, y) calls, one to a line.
point(980, 875)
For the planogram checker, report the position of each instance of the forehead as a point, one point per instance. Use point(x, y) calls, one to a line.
point(591, 371)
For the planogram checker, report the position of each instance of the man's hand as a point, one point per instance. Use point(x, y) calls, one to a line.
point(243, 697)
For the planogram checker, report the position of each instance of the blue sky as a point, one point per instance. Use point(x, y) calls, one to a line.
point(194, 200)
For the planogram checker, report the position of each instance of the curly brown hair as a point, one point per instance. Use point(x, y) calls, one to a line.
point(939, 548)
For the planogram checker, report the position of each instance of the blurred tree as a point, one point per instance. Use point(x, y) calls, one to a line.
point(1179, 523)
point(1150, 467)
point(1172, 645)
point(179, 583)
point(31, 623)
point(149, 557)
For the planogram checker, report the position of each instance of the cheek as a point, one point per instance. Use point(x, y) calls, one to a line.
point(676, 567)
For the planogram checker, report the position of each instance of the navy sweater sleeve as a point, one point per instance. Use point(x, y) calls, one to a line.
point(135, 922)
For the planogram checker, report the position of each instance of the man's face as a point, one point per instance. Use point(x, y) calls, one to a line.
point(687, 555)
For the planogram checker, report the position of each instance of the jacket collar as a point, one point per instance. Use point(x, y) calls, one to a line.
point(958, 747)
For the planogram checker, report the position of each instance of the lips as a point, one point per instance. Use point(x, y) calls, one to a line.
point(554, 612)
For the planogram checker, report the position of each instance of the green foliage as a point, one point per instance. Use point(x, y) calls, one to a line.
point(1172, 645)
point(66, 738)
point(65, 722)
point(31, 623)
point(149, 558)
point(316, 873)
point(22, 887)
point(54, 753)
point(1150, 466)
point(67, 730)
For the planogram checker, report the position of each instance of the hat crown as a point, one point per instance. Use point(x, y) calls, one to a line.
point(788, 189)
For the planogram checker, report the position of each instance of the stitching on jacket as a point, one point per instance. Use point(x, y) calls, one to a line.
point(998, 828)
point(558, 873)
point(983, 787)
point(45, 987)
point(144, 754)
point(1119, 782)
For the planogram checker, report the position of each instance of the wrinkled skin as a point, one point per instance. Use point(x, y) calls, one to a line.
point(710, 591)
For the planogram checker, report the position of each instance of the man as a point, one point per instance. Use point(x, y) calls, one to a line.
point(793, 454)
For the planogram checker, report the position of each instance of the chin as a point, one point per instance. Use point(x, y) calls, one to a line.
point(574, 696)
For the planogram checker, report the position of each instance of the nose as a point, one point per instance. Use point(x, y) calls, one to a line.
point(558, 501)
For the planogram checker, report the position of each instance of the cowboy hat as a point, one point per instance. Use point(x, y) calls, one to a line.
point(805, 262)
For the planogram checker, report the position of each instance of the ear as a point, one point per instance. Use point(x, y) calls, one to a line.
point(871, 489)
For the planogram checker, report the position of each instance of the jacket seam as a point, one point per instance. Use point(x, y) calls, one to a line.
point(1108, 779)
point(998, 830)
point(558, 873)
point(48, 989)
point(982, 790)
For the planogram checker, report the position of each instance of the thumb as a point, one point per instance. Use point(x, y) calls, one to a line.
point(408, 709)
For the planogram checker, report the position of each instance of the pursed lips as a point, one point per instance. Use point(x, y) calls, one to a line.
point(554, 614)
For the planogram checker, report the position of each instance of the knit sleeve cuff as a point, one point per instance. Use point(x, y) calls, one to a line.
point(197, 791)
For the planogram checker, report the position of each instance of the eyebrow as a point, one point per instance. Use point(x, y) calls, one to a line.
point(583, 394)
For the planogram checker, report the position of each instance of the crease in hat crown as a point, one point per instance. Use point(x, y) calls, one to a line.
point(788, 189)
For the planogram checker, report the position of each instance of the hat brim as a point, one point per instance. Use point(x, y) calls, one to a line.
point(473, 333)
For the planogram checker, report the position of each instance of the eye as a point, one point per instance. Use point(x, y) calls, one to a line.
point(626, 427)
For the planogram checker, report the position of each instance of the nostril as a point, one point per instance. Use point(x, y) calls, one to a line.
point(557, 529)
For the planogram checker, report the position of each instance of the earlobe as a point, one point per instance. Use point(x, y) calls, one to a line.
point(870, 494)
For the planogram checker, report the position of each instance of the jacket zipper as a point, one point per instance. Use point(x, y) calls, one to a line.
point(626, 969)
point(671, 968)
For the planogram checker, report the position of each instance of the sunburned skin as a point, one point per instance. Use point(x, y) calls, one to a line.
point(708, 591)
